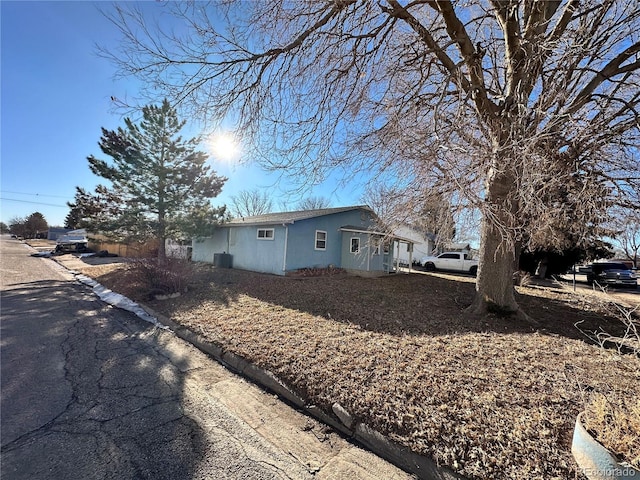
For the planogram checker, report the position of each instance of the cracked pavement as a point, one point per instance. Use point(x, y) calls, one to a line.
point(92, 392)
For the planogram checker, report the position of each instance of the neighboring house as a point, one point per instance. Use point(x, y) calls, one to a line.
point(423, 245)
point(54, 232)
point(458, 247)
point(278, 243)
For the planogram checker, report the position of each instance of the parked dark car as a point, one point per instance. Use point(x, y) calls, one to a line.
point(612, 273)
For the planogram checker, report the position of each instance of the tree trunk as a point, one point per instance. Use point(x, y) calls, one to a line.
point(161, 233)
point(541, 269)
point(495, 292)
point(162, 251)
point(494, 283)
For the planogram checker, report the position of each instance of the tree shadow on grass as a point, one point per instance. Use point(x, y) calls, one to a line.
point(412, 304)
point(86, 389)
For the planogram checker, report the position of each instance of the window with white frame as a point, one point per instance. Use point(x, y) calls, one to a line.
point(265, 234)
point(355, 245)
point(321, 240)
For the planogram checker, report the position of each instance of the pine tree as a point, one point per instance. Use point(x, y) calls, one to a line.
point(160, 185)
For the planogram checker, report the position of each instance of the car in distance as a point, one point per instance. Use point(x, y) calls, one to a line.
point(73, 241)
point(451, 261)
point(612, 274)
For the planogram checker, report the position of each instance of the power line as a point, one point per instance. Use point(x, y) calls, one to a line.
point(34, 194)
point(35, 203)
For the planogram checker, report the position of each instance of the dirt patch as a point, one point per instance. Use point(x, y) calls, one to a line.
point(96, 267)
point(490, 398)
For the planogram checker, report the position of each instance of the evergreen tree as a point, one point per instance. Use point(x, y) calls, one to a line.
point(36, 226)
point(33, 226)
point(159, 187)
point(96, 212)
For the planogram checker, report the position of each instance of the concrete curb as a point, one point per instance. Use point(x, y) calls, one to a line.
point(421, 466)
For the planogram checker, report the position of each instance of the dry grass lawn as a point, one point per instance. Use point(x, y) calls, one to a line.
point(490, 398)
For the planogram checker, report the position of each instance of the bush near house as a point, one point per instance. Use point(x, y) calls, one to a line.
point(160, 278)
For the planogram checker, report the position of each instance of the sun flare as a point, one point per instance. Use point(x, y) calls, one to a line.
point(224, 147)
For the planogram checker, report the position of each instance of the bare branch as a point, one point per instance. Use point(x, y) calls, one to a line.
point(613, 68)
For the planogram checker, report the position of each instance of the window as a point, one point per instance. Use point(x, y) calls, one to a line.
point(355, 245)
point(321, 240)
point(450, 255)
point(265, 234)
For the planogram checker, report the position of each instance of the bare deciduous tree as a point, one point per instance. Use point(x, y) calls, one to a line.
point(628, 235)
point(313, 203)
point(428, 213)
point(17, 226)
point(494, 101)
point(384, 200)
point(248, 203)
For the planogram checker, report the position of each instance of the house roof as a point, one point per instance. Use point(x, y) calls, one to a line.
point(290, 217)
point(458, 246)
point(412, 232)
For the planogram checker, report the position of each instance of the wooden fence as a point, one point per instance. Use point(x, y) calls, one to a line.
point(135, 250)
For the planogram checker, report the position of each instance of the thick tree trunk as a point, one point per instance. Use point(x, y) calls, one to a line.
point(495, 292)
point(494, 284)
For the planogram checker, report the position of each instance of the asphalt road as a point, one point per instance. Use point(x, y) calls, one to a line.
point(92, 392)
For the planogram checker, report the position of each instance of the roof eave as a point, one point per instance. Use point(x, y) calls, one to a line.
point(381, 234)
point(259, 224)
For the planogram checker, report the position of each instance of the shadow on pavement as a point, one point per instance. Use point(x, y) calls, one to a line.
point(87, 391)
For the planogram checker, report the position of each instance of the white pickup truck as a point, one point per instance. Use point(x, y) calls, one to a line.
point(452, 261)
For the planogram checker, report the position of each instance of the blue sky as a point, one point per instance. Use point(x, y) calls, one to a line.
point(56, 95)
